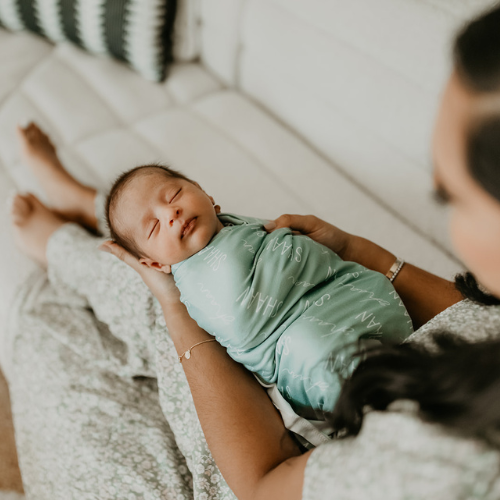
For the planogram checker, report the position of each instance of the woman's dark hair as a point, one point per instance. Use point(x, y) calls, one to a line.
point(476, 57)
point(467, 285)
point(459, 384)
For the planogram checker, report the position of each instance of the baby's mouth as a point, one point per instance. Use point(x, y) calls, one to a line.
point(188, 226)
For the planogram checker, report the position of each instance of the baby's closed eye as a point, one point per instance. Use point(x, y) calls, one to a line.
point(156, 224)
point(175, 195)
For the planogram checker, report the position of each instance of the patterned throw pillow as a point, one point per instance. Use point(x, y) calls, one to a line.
point(137, 32)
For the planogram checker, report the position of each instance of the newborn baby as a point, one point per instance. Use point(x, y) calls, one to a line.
point(287, 308)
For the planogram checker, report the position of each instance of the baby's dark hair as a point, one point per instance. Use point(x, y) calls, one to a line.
point(117, 189)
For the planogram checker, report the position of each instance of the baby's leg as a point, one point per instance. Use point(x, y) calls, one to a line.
point(71, 199)
point(308, 372)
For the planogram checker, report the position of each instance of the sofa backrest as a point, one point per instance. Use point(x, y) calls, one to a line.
point(360, 80)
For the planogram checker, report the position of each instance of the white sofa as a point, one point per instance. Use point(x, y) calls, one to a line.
point(306, 106)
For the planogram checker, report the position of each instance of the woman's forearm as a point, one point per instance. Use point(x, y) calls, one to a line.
point(424, 294)
point(244, 431)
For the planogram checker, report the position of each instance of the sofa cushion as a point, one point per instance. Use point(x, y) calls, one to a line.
point(132, 31)
point(27, 49)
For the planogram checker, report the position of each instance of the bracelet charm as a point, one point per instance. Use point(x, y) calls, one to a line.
point(187, 354)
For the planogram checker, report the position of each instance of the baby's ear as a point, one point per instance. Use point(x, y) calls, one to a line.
point(217, 207)
point(163, 268)
point(147, 262)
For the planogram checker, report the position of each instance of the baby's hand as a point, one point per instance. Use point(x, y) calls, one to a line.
point(162, 285)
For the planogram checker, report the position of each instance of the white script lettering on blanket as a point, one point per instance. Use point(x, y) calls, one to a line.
point(256, 298)
point(275, 244)
point(214, 257)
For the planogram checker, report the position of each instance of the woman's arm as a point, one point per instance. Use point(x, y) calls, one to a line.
point(254, 458)
point(424, 294)
point(253, 450)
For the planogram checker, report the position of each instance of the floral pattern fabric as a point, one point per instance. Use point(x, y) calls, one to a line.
point(101, 405)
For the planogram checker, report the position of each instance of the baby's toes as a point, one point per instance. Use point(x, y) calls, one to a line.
point(34, 202)
point(21, 203)
point(21, 209)
point(22, 134)
point(34, 142)
point(36, 133)
point(27, 136)
point(38, 139)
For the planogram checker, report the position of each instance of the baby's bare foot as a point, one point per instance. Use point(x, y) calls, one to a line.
point(33, 224)
point(67, 196)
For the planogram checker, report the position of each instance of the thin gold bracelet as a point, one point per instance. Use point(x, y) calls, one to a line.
point(188, 352)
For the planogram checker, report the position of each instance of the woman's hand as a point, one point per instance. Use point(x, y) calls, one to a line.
point(423, 294)
point(162, 285)
point(317, 229)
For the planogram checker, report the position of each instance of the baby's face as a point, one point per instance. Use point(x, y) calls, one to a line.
point(169, 219)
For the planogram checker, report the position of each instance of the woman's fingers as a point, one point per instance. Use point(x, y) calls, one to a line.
point(121, 253)
point(161, 284)
point(285, 220)
point(314, 227)
point(304, 224)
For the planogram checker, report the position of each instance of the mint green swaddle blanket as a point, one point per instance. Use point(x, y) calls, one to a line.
point(289, 309)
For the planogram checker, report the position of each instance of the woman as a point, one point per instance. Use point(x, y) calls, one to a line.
point(447, 450)
point(263, 462)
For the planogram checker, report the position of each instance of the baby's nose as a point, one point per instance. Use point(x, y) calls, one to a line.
point(174, 214)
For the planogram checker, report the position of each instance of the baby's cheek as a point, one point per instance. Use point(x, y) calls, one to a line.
point(197, 242)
